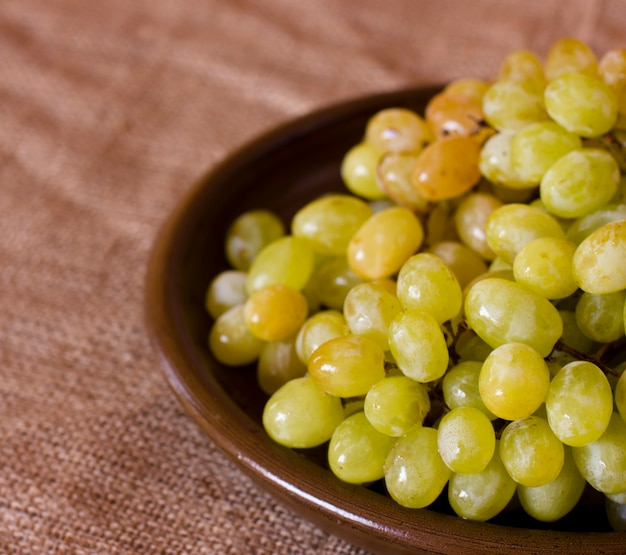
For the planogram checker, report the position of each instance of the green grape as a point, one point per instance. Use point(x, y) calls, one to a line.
point(512, 226)
point(522, 65)
point(227, 289)
point(329, 222)
point(466, 440)
point(347, 366)
point(579, 182)
point(531, 452)
point(460, 387)
point(300, 415)
point(275, 312)
point(368, 309)
point(483, 495)
point(620, 396)
point(501, 311)
point(396, 404)
point(579, 403)
point(513, 381)
point(619, 498)
point(395, 172)
point(512, 105)
point(248, 234)
point(426, 283)
point(496, 165)
point(415, 474)
point(572, 334)
point(582, 104)
point(554, 500)
point(616, 514)
point(357, 451)
point(447, 168)
point(278, 363)
point(582, 227)
point(539, 145)
point(544, 265)
point(317, 329)
point(358, 171)
point(470, 221)
point(230, 340)
point(465, 263)
point(418, 345)
point(472, 349)
point(568, 55)
point(397, 130)
point(332, 281)
point(599, 260)
point(601, 317)
point(603, 462)
point(612, 70)
point(287, 261)
point(384, 242)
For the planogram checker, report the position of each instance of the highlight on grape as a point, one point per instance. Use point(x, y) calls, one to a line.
point(452, 324)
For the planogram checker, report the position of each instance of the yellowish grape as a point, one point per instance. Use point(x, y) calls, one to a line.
point(275, 312)
point(347, 366)
point(568, 55)
point(397, 130)
point(446, 168)
point(384, 242)
point(513, 381)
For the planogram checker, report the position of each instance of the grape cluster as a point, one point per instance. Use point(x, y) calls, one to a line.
point(453, 323)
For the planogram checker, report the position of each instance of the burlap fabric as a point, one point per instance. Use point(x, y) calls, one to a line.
point(109, 111)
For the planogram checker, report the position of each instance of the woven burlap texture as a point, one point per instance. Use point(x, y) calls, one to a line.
point(109, 112)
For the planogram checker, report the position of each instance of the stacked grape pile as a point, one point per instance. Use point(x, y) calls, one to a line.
point(454, 322)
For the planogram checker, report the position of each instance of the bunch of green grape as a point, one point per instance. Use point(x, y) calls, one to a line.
point(453, 323)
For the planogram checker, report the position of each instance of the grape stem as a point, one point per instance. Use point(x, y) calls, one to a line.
point(605, 350)
point(595, 358)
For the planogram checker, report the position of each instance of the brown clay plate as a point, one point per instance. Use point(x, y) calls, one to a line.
point(282, 170)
